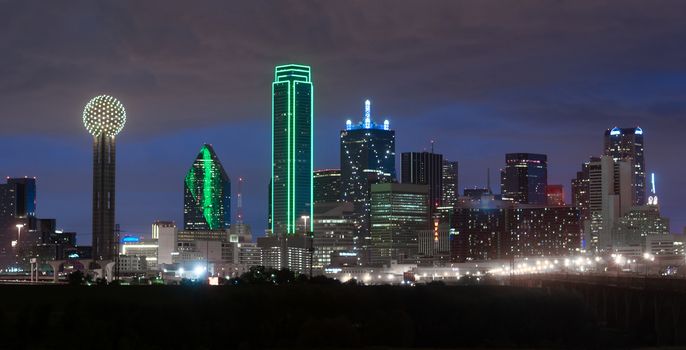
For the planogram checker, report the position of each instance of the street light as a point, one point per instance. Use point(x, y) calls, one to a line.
point(19, 226)
point(619, 261)
point(648, 259)
point(305, 218)
point(309, 241)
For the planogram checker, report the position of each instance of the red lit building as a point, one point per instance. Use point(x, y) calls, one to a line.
point(555, 194)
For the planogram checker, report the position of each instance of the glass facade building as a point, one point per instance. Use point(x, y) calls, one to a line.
point(367, 149)
point(334, 230)
point(207, 193)
point(639, 223)
point(451, 188)
point(398, 212)
point(327, 186)
point(18, 198)
point(424, 168)
point(502, 230)
point(627, 144)
point(525, 178)
point(367, 157)
point(580, 190)
point(292, 122)
point(17, 207)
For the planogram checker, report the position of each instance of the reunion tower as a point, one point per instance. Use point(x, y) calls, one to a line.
point(104, 117)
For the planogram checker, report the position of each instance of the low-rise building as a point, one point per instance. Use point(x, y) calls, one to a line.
point(135, 246)
point(131, 264)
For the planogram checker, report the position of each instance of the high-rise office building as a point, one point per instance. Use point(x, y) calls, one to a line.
point(636, 226)
point(424, 168)
point(293, 252)
point(434, 243)
point(492, 229)
point(292, 142)
point(525, 178)
point(451, 188)
point(641, 224)
point(104, 117)
point(398, 213)
point(580, 190)
point(610, 197)
point(207, 193)
point(240, 231)
point(18, 197)
point(627, 144)
point(367, 157)
point(334, 231)
point(17, 208)
point(481, 230)
point(327, 186)
point(367, 149)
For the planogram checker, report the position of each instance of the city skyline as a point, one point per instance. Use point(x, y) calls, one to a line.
point(52, 146)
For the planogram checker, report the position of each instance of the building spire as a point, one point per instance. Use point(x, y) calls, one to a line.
point(239, 202)
point(488, 180)
point(367, 114)
point(652, 183)
point(652, 199)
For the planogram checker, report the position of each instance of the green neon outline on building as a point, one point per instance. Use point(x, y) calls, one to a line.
point(291, 75)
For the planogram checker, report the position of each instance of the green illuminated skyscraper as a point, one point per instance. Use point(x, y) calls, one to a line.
point(207, 193)
point(292, 119)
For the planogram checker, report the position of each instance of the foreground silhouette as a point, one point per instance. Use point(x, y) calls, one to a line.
point(293, 313)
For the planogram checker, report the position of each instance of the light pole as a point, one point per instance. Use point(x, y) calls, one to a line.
point(309, 241)
point(305, 218)
point(648, 258)
point(19, 226)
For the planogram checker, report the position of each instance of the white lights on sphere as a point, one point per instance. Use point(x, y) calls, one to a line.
point(104, 114)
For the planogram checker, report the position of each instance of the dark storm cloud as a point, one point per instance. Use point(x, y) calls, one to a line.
point(480, 77)
point(216, 55)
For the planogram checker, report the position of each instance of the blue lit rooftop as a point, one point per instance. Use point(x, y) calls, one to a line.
point(367, 122)
point(616, 131)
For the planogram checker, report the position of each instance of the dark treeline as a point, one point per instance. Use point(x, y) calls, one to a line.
point(256, 276)
point(291, 316)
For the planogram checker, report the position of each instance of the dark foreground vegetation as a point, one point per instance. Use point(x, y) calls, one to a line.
point(291, 316)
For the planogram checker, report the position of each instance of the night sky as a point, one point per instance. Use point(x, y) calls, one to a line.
point(481, 78)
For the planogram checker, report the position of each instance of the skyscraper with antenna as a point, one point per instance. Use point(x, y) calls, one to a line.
point(367, 157)
point(240, 231)
point(628, 144)
point(424, 168)
point(239, 202)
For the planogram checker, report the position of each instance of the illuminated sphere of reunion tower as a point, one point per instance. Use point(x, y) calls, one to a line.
point(104, 117)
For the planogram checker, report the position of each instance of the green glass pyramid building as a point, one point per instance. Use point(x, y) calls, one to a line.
point(207, 193)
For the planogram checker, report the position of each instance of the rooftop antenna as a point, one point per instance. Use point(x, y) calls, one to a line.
point(367, 114)
point(488, 180)
point(652, 199)
point(239, 202)
point(432, 146)
point(652, 182)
